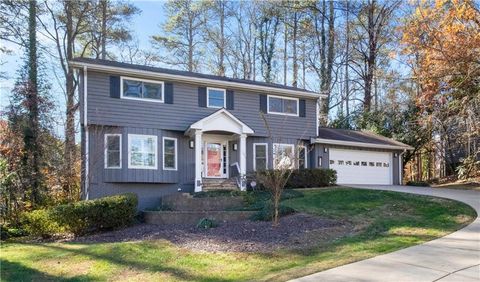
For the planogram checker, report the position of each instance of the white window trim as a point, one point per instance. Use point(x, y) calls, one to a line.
point(285, 98)
point(142, 80)
point(306, 156)
point(176, 153)
point(281, 144)
point(105, 151)
point(255, 154)
point(130, 136)
point(224, 97)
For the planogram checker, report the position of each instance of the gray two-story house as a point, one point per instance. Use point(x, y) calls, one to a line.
point(155, 131)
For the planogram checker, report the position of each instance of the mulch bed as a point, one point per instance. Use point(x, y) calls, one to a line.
point(297, 231)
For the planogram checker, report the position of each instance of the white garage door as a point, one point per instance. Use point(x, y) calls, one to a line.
point(361, 167)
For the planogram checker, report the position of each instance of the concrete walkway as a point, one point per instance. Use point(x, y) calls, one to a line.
point(455, 257)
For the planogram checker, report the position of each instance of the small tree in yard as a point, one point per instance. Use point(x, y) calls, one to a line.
point(274, 180)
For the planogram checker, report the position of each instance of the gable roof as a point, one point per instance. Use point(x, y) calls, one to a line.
point(357, 138)
point(187, 76)
point(222, 120)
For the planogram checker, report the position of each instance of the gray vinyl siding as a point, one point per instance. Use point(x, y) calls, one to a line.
point(104, 110)
point(98, 173)
point(318, 151)
point(148, 193)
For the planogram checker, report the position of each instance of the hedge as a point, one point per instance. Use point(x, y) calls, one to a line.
point(309, 178)
point(83, 217)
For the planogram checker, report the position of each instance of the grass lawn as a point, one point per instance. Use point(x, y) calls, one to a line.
point(385, 221)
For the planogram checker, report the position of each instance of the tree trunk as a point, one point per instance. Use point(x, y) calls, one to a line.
point(104, 29)
point(347, 60)
point(32, 147)
point(221, 64)
point(285, 46)
point(294, 50)
point(371, 59)
point(70, 148)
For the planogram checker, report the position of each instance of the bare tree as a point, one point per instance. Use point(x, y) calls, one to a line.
point(267, 32)
point(183, 34)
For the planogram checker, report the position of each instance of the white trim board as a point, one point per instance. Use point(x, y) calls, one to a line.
point(255, 154)
point(142, 80)
point(359, 144)
point(163, 153)
point(191, 79)
point(284, 98)
point(224, 97)
point(130, 152)
point(105, 150)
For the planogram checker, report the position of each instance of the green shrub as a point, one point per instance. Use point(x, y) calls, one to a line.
point(83, 217)
point(418, 183)
point(206, 223)
point(7, 232)
point(42, 223)
point(308, 178)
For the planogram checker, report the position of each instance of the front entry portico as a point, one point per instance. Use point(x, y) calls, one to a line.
point(212, 135)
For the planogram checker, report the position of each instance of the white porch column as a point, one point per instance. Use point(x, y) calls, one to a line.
point(198, 160)
point(243, 160)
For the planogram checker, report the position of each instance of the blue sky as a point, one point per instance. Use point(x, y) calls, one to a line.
point(143, 25)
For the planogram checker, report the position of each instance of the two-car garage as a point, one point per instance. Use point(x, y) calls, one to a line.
point(361, 167)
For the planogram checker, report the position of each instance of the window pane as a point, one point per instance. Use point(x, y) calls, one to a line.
point(169, 146)
point(149, 145)
point(150, 160)
point(283, 156)
point(216, 98)
point(132, 88)
point(113, 143)
point(275, 105)
point(113, 159)
point(301, 158)
point(170, 161)
point(152, 91)
point(290, 106)
point(261, 164)
point(136, 159)
point(260, 151)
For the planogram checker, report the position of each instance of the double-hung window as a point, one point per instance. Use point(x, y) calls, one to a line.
point(260, 159)
point(283, 156)
point(302, 157)
point(142, 151)
point(282, 105)
point(169, 153)
point(113, 151)
point(142, 89)
point(216, 98)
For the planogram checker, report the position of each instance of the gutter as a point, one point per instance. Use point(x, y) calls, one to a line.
point(189, 79)
point(400, 167)
point(85, 124)
point(359, 144)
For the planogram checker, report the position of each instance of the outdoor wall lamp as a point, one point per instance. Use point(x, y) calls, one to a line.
point(325, 149)
point(191, 144)
point(235, 146)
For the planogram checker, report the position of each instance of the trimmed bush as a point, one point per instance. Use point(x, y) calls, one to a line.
point(83, 217)
point(309, 178)
point(418, 183)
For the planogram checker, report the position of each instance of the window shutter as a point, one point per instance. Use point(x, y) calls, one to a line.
point(302, 108)
point(263, 103)
point(230, 99)
point(202, 97)
point(168, 93)
point(115, 86)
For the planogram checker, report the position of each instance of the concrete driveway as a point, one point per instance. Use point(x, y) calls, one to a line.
point(455, 257)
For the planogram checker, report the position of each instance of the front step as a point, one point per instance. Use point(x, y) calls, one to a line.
point(212, 184)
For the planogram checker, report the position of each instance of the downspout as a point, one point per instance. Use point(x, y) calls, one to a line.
point(85, 124)
point(400, 167)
